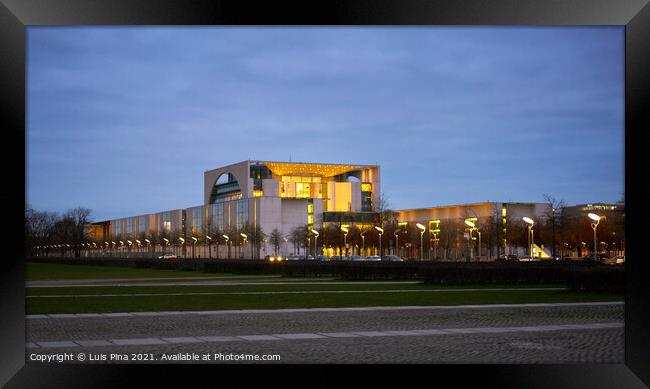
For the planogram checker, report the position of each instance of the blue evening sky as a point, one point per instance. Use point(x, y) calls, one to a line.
point(125, 121)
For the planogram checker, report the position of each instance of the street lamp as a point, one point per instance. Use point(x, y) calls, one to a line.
point(422, 229)
point(227, 238)
point(472, 227)
point(209, 239)
point(435, 233)
point(194, 240)
point(596, 219)
point(313, 231)
point(180, 249)
point(245, 239)
point(345, 239)
point(381, 232)
point(363, 241)
point(396, 233)
point(531, 240)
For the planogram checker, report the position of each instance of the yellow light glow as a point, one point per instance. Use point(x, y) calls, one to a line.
point(258, 193)
point(317, 169)
point(366, 187)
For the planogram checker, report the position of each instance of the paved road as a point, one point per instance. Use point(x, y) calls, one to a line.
point(500, 334)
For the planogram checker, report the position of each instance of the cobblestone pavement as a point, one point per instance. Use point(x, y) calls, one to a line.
point(489, 335)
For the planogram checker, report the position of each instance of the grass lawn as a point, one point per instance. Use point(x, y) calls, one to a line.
point(131, 299)
point(52, 271)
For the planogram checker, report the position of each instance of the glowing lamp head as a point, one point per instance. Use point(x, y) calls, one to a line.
point(528, 220)
point(379, 229)
point(243, 235)
point(420, 226)
point(225, 237)
point(344, 229)
point(315, 232)
point(470, 224)
point(194, 239)
point(594, 217)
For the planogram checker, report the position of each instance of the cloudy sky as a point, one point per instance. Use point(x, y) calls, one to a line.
point(126, 120)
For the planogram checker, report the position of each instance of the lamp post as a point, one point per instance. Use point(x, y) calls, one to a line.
point(435, 245)
point(245, 240)
point(363, 241)
point(345, 239)
point(313, 231)
point(209, 239)
point(422, 229)
point(180, 247)
point(381, 232)
point(227, 238)
point(472, 227)
point(531, 241)
point(595, 220)
point(396, 233)
point(194, 240)
point(286, 245)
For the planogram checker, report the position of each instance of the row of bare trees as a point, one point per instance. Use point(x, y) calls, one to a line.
point(48, 231)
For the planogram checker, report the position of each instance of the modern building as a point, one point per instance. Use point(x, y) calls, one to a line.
point(449, 233)
point(248, 197)
point(245, 203)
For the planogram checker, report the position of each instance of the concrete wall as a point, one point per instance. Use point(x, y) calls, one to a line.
point(240, 170)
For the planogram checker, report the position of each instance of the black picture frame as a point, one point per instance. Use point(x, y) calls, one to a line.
point(17, 15)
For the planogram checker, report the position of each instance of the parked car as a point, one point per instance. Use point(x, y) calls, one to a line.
point(357, 258)
point(392, 258)
point(373, 258)
point(274, 258)
point(528, 259)
point(294, 257)
point(321, 258)
point(590, 257)
point(618, 260)
point(168, 256)
point(507, 258)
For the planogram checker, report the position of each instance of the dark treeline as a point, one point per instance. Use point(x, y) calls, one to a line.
point(49, 231)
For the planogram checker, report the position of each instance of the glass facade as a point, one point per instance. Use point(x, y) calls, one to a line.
point(301, 186)
point(197, 220)
point(224, 191)
point(141, 225)
point(241, 210)
point(217, 216)
point(129, 226)
point(366, 197)
point(167, 221)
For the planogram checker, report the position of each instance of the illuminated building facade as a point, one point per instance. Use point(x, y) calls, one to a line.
point(252, 196)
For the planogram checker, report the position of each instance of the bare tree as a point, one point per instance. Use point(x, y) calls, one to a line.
point(552, 216)
point(39, 230)
point(383, 208)
point(76, 221)
point(276, 240)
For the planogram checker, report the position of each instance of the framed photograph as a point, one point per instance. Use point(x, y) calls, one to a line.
point(448, 189)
